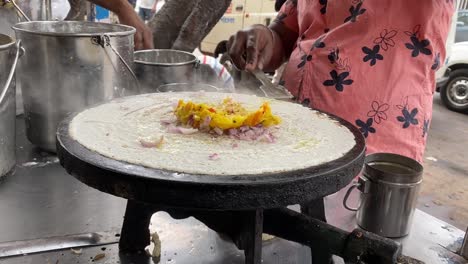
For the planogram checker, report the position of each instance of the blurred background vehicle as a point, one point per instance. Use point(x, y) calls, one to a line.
point(239, 15)
point(462, 26)
point(452, 77)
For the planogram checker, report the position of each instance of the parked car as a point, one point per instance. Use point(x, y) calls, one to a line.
point(462, 26)
point(452, 77)
point(453, 86)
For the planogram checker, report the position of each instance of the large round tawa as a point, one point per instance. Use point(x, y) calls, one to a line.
point(183, 188)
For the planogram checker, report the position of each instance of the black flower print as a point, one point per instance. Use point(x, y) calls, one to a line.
point(355, 11)
point(304, 59)
point(366, 127)
point(372, 54)
point(385, 40)
point(417, 45)
point(306, 102)
point(308, 57)
point(408, 118)
point(425, 127)
point(318, 43)
point(378, 112)
point(338, 80)
point(323, 9)
point(436, 62)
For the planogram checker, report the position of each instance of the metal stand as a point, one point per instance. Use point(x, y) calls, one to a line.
point(245, 228)
point(135, 233)
point(316, 210)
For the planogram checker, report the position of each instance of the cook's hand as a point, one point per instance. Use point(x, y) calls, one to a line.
point(143, 37)
point(251, 48)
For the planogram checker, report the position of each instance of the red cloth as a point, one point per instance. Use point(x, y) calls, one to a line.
point(370, 62)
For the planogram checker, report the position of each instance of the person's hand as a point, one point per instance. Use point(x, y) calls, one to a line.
point(251, 48)
point(143, 37)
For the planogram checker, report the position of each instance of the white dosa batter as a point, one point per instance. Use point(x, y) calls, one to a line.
point(304, 138)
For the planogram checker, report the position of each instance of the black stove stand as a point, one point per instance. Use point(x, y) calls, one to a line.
point(242, 207)
point(245, 228)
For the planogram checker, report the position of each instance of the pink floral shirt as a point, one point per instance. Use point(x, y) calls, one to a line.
point(370, 62)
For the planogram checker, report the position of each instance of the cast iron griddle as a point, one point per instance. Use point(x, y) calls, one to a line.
point(240, 192)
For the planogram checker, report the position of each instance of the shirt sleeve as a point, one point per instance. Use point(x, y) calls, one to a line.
point(288, 15)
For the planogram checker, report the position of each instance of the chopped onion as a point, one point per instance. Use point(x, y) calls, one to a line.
point(206, 122)
point(250, 134)
point(151, 142)
point(181, 130)
point(218, 131)
point(187, 131)
point(166, 122)
point(214, 156)
point(243, 129)
point(233, 132)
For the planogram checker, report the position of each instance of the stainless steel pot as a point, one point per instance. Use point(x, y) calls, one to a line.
point(69, 66)
point(187, 87)
point(154, 68)
point(389, 189)
point(9, 54)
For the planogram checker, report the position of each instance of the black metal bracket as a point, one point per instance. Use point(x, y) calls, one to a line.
point(245, 228)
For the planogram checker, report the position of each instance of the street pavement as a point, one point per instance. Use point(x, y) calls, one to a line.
point(444, 192)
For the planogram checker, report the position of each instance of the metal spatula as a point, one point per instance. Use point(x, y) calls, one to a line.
point(269, 89)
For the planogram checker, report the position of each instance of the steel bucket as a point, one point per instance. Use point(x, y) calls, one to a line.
point(155, 68)
point(187, 87)
point(9, 54)
point(68, 66)
point(389, 189)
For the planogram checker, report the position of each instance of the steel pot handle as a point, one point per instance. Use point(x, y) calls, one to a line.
point(103, 41)
point(19, 52)
point(18, 9)
point(345, 199)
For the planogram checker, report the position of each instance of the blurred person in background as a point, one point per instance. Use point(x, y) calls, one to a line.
point(147, 9)
point(279, 72)
point(143, 38)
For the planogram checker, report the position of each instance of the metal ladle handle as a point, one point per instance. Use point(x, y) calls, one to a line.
point(18, 9)
point(345, 199)
point(12, 71)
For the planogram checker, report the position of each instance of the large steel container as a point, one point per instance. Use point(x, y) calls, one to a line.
point(389, 189)
point(9, 54)
point(69, 66)
point(160, 67)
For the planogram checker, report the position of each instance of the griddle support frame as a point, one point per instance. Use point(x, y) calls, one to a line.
point(316, 210)
point(135, 234)
point(245, 228)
